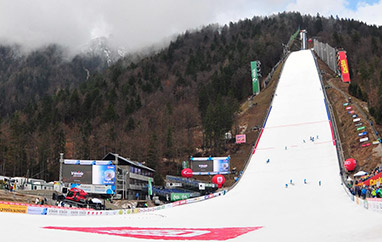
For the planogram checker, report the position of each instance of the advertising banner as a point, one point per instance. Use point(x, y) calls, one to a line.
point(77, 174)
point(362, 134)
point(372, 181)
point(179, 196)
point(363, 139)
point(202, 166)
point(150, 188)
point(37, 210)
point(240, 138)
point(343, 62)
point(255, 78)
point(99, 189)
point(52, 211)
point(103, 175)
point(210, 165)
point(10, 208)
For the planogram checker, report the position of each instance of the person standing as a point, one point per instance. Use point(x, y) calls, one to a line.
point(363, 192)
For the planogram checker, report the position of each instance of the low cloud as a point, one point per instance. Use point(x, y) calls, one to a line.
point(129, 24)
point(137, 24)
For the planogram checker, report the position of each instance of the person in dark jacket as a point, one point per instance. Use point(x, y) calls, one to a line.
point(357, 191)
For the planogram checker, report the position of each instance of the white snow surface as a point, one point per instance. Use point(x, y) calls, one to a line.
point(301, 212)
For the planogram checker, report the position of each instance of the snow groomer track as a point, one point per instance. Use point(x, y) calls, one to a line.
point(297, 139)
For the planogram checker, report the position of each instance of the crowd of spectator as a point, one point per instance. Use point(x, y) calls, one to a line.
point(357, 188)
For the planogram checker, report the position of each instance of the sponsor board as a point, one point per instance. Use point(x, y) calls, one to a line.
point(10, 208)
point(255, 77)
point(99, 189)
point(37, 210)
point(76, 173)
point(52, 211)
point(240, 139)
point(372, 181)
point(179, 196)
point(210, 165)
point(88, 174)
point(166, 233)
point(66, 212)
point(343, 62)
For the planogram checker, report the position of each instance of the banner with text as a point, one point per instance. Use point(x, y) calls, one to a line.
point(372, 181)
point(343, 62)
point(240, 138)
point(10, 208)
point(255, 77)
point(210, 165)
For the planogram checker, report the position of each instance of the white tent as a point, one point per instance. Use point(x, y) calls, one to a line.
point(360, 173)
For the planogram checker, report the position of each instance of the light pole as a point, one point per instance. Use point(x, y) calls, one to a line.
point(61, 162)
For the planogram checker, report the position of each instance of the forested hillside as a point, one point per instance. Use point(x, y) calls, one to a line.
point(160, 109)
point(26, 78)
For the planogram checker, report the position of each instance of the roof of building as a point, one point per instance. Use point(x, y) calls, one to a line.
point(125, 161)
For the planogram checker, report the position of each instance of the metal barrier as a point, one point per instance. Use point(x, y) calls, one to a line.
point(327, 54)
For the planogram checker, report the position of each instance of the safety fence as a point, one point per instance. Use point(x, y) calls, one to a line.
point(326, 53)
point(10, 207)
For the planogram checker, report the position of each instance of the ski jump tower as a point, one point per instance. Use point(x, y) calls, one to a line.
point(303, 39)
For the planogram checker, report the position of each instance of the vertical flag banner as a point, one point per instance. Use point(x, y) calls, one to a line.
point(150, 188)
point(343, 65)
point(255, 78)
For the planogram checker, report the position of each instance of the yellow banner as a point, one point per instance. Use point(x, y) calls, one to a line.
point(7, 208)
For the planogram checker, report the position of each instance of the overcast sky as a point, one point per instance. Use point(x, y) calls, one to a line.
point(136, 24)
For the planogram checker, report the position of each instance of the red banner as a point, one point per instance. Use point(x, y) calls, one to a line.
point(343, 62)
point(372, 180)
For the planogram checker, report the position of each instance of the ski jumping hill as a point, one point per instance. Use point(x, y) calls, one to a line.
point(296, 196)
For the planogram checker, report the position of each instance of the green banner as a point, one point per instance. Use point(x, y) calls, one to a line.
point(293, 37)
point(150, 188)
point(179, 196)
point(184, 164)
point(255, 78)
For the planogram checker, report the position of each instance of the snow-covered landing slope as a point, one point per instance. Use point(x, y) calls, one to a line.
point(260, 207)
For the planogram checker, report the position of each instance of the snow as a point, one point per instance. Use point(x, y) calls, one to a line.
point(301, 212)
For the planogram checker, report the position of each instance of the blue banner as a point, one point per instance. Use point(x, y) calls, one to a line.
point(37, 210)
point(103, 175)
